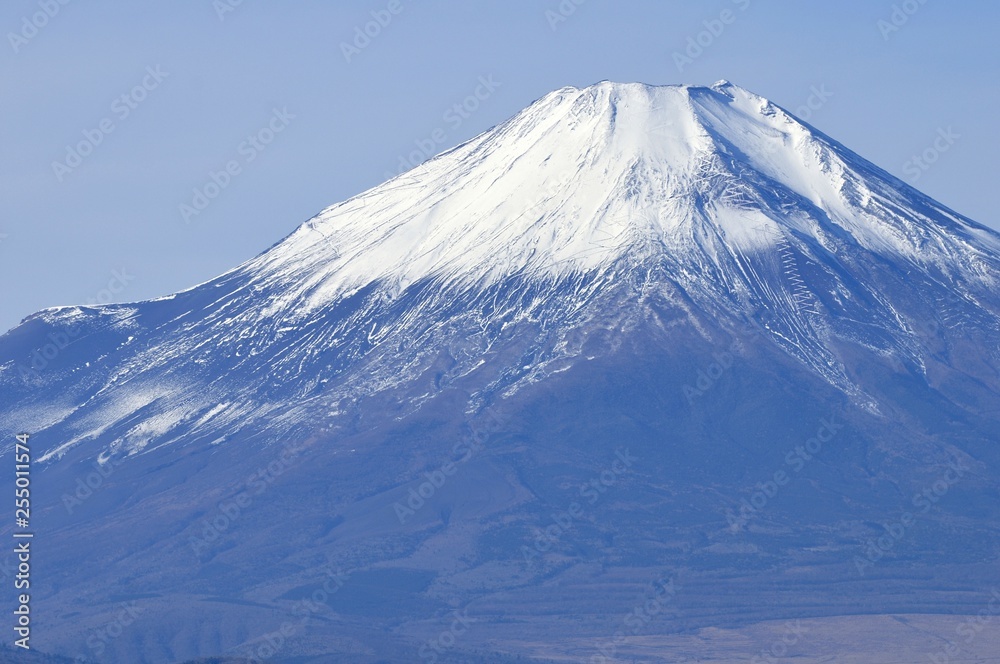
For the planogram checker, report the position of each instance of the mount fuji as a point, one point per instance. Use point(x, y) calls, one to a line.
point(641, 374)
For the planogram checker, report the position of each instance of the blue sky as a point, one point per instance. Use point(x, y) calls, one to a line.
point(164, 95)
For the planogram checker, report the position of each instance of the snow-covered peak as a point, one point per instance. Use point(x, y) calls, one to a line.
point(585, 175)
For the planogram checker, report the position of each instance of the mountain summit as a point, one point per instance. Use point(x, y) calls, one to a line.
point(419, 384)
point(581, 177)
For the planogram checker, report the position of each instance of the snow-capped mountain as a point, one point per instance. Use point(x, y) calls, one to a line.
point(714, 198)
point(692, 267)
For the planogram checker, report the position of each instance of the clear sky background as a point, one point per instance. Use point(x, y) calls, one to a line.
point(111, 227)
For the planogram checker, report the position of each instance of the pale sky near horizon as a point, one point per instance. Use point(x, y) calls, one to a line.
point(164, 94)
